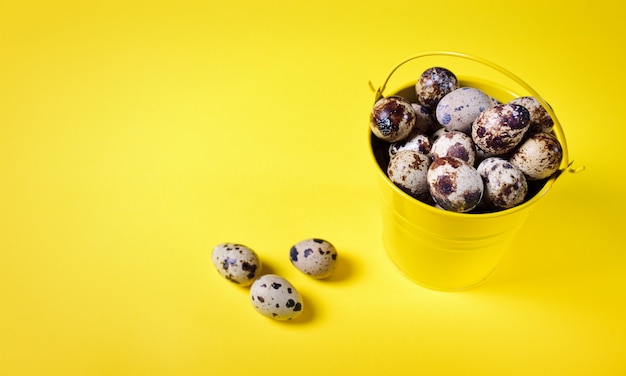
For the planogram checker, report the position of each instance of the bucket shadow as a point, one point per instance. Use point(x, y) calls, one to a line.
point(266, 269)
point(343, 272)
point(555, 239)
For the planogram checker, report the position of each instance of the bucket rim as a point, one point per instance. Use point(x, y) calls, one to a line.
point(566, 163)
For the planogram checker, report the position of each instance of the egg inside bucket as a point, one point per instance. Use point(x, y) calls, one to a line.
point(445, 250)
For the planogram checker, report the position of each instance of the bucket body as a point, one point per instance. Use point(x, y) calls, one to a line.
point(445, 250)
point(442, 251)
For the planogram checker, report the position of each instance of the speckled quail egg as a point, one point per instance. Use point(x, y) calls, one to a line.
point(392, 118)
point(481, 155)
point(499, 129)
point(495, 101)
point(438, 133)
point(407, 170)
point(540, 119)
point(433, 84)
point(505, 185)
point(418, 142)
point(454, 184)
point(316, 258)
point(236, 262)
point(539, 156)
point(454, 144)
point(273, 296)
point(459, 108)
point(424, 121)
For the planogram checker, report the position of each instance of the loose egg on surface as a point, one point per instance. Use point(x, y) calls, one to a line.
point(499, 129)
point(433, 84)
point(235, 262)
point(392, 118)
point(539, 156)
point(505, 185)
point(458, 109)
point(540, 119)
point(418, 142)
point(314, 257)
point(273, 296)
point(454, 184)
point(454, 144)
point(407, 170)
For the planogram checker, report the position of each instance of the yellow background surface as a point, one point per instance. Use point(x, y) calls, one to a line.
point(135, 136)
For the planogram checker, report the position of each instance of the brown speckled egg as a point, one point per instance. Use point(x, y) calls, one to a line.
point(459, 108)
point(433, 84)
point(274, 297)
point(235, 262)
point(417, 142)
point(505, 185)
point(499, 129)
point(438, 133)
point(495, 101)
point(539, 156)
point(454, 144)
point(481, 155)
point(454, 184)
point(316, 258)
point(424, 121)
point(407, 170)
point(540, 119)
point(392, 118)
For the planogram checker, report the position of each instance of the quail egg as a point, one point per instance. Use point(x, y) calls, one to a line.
point(459, 108)
point(454, 184)
point(424, 121)
point(407, 170)
point(499, 129)
point(539, 156)
point(454, 144)
point(392, 118)
point(236, 262)
point(505, 185)
point(274, 297)
point(433, 84)
point(418, 142)
point(314, 257)
point(540, 119)
point(438, 133)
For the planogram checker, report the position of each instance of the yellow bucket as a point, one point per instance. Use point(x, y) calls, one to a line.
point(439, 249)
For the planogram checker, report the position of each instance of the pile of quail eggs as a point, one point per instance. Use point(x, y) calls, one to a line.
point(459, 149)
point(272, 295)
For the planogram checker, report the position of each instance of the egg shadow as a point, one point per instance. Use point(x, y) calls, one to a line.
point(308, 312)
point(343, 270)
point(266, 269)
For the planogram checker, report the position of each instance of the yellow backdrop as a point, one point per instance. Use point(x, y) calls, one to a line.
point(135, 136)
